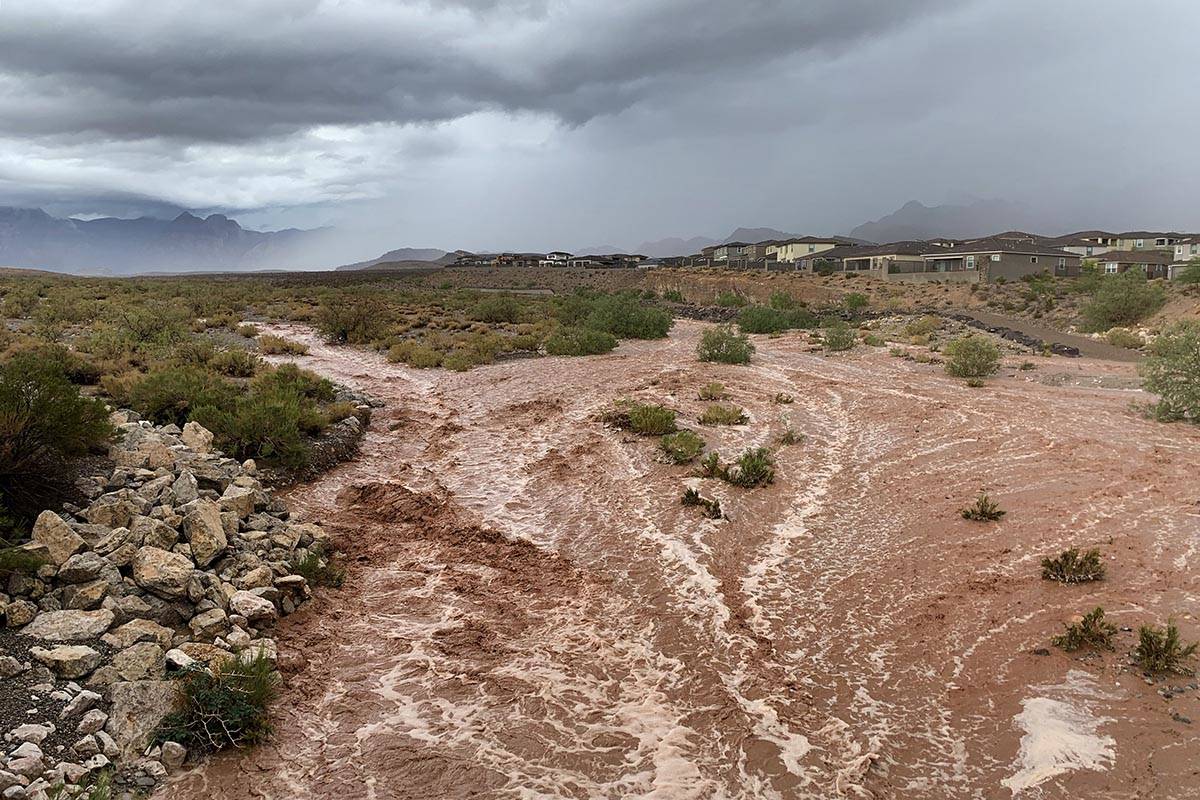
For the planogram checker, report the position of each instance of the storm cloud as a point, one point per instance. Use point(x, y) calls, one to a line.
point(469, 123)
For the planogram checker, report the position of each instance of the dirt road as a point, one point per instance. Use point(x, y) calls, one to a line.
point(531, 612)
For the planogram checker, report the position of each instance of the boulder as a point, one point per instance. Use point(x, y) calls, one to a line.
point(19, 612)
point(139, 630)
point(239, 500)
point(32, 732)
point(91, 722)
point(59, 540)
point(205, 532)
point(251, 606)
point(84, 567)
point(85, 596)
point(185, 488)
point(67, 661)
point(138, 707)
point(70, 625)
point(26, 760)
point(150, 532)
point(119, 546)
point(197, 437)
point(173, 755)
point(161, 572)
point(80, 703)
point(139, 662)
point(208, 625)
point(114, 510)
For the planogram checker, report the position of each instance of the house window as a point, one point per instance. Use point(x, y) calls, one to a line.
point(995, 256)
point(1139, 243)
point(1062, 262)
point(1111, 268)
point(970, 262)
point(812, 248)
point(1159, 242)
point(1089, 250)
point(1033, 259)
point(1192, 250)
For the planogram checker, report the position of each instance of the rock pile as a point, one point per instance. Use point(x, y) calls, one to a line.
point(181, 559)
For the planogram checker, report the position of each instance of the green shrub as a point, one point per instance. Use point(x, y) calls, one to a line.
point(682, 446)
point(973, 356)
point(730, 300)
point(1073, 567)
point(294, 380)
point(1091, 632)
point(575, 341)
point(353, 319)
point(854, 301)
point(458, 361)
point(1161, 650)
point(16, 560)
point(626, 318)
point(264, 425)
point(497, 309)
point(783, 301)
point(673, 296)
point(726, 346)
point(44, 422)
point(712, 392)
point(874, 340)
point(789, 437)
point(984, 510)
point(236, 363)
point(1123, 300)
point(765, 319)
point(1190, 273)
point(754, 468)
point(923, 326)
point(723, 415)
point(422, 356)
point(316, 568)
point(277, 345)
point(711, 467)
point(1172, 371)
point(839, 337)
point(1123, 337)
point(248, 330)
point(224, 707)
point(710, 507)
point(651, 420)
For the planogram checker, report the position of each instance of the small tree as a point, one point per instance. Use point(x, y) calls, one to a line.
point(1123, 300)
point(1173, 372)
point(725, 345)
point(974, 356)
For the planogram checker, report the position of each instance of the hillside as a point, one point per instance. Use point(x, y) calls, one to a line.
point(916, 221)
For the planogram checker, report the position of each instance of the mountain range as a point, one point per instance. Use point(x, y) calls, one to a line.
point(33, 238)
point(916, 221)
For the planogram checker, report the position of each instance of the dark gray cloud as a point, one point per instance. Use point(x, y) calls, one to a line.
point(529, 123)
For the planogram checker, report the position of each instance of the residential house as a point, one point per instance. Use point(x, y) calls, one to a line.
point(729, 250)
point(831, 258)
point(797, 248)
point(1155, 263)
point(1087, 248)
point(1147, 240)
point(476, 259)
point(989, 260)
point(556, 258)
point(888, 261)
point(1187, 249)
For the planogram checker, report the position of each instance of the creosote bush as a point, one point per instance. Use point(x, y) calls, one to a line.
point(642, 418)
point(973, 357)
point(236, 363)
point(224, 707)
point(839, 337)
point(723, 415)
point(855, 301)
point(576, 341)
point(754, 468)
point(1161, 650)
point(1091, 632)
point(725, 346)
point(277, 345)
point(682, 446)
point(1123, 337)
point(713, 392)
point(789, 437)
point(1172, 371)
point(354, 319)
point(1122, 300)
point(984, 510)
point(1073, 567)
point(710, 507)
point(784, 399)
point(767, 319)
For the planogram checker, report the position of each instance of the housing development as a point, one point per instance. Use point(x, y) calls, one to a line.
point(1009, 255)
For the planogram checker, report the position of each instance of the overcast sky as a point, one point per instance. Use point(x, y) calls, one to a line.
point(544, 123)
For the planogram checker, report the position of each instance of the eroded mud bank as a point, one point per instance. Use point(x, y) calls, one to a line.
point(531, 613)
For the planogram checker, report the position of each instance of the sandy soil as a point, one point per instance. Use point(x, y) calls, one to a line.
point(530, 611)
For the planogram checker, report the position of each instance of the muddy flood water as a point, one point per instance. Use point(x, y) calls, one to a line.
point(530, 612)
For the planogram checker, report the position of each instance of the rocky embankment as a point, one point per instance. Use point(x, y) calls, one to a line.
point(182, 559)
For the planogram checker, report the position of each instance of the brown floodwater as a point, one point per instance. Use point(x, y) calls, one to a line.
point(530, 612)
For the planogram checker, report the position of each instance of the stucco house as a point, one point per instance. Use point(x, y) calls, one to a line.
point(1155, 263)
point(987, 261)
point(1187, 249)
point(888, 261)
point(797, 248)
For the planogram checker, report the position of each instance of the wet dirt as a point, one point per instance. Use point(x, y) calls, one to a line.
point(531, 613)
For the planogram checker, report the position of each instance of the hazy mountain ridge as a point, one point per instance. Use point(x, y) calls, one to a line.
point(32, 238)
point(400, 255)
point(916, 221)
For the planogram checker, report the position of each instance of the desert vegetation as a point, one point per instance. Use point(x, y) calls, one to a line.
point(1072, 566)
point(723, 414)
point(973, 357)
point(984, 509)
point(725, 345)
point(709, 506)
point(682, 447)
point(225, 706)
point(1092, 631)
point(1161, 650)
point(1172, 371)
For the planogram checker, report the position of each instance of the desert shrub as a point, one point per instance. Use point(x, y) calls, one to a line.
point(783, 301)
point(336, 412)
point(923, 326)
point(77, 369)
point(712, 392)
point(1123, 337)
point(576, 341)
point(826, 266)
point(711, 467)
point(318, 569)
point(730, 300)
point(983, 510)
point(236, 363)
point(754, 468)
point(152, 323)
point(673, 296)
point(1172, 371)
point(1122, 300)
point(789, 437)
point(1190, 273)
point(497, 309)
point(626, 318)
point(651, 420)
point(248, 330)
point(1092, 632)
point(1073, 567)
point(458, 361)
point(873, 340)
point(277, 345)
point(44, 422)
point(839, 337)
point(854, 301)
point(762, 319)
point(224, 707)
point(710, 507)
point(16, 560)
point(353, 319)
point(1161, 650)
point(725, 345)
point(972, 356)
point(723, 415)
point(264, 425)
point(293, 379)
point(784, 399)
point(682, 446)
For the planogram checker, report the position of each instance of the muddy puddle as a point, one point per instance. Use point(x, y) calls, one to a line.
point(531, 613)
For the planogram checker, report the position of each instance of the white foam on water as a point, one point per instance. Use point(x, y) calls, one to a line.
point(1061, 734)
